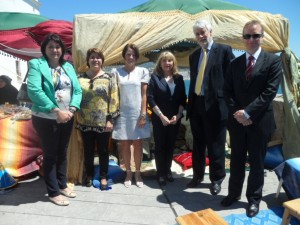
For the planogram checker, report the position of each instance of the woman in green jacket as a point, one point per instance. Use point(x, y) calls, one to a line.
point(56, 95)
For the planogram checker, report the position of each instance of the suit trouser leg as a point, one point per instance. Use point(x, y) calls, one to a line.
point(171, 139)
point(160, 137)
point(216, 152)
point(199, 142)
point(247, 140)
point(237, 162)
point(257, 145)
point(208, 133)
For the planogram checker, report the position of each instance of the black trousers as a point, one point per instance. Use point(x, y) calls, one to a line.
point(164, 138)
point(249, 141)
point(92, 139)
point(209, 134)
point(55, 140)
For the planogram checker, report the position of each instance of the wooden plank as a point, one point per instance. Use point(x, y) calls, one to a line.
point(203, 217)
point(293, 206)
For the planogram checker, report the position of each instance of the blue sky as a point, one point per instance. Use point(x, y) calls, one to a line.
point(66, 9)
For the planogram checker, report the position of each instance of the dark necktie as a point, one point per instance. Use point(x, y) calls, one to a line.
point(250, 67)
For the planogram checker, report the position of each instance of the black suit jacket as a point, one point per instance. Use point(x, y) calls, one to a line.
point(219, 58)
point(159, 94)
point(254, 96)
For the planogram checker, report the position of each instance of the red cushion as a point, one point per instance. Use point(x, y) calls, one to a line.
point(185, 160)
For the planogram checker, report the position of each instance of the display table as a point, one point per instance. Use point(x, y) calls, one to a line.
point(288, 173)
point(20, 148)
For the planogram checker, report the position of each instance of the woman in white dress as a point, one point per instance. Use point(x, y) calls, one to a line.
point(132, 126)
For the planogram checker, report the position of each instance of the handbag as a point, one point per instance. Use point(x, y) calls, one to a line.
point(23, 94)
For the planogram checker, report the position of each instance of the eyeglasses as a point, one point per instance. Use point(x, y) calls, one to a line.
point(254, 36)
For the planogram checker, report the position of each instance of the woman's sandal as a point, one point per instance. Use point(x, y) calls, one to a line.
point(68, 193)
point(59, 200)
point(128, 178)
point(138, 179)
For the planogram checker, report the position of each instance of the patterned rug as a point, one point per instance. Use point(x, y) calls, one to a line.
point(264, 217)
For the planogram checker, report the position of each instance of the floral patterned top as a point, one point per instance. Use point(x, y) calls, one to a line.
point(100, 102)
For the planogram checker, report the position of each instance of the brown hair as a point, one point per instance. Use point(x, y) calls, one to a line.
point(94, 50)
point(133, 47)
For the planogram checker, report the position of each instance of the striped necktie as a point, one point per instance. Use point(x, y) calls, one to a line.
point(250, 67)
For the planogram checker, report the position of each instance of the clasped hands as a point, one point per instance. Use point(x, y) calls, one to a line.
point(64, 116)
point(108, 127)
point(241, 118)
point(165, 121)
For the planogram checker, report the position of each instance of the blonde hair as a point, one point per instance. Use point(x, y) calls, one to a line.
point(166, 55)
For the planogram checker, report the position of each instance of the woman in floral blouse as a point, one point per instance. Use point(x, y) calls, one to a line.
point(99, 108)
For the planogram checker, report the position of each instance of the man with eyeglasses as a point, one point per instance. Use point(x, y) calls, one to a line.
point(250, 86)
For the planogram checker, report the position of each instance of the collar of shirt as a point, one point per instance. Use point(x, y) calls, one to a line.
point(255, 55)
point(208, 50)
point(209, 46)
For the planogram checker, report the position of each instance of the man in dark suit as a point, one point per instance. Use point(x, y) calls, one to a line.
point(206, 108)
point(250, 86)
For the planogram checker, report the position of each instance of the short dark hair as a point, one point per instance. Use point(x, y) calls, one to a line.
point(94, 50)
point(133, 47)
point(57, 39)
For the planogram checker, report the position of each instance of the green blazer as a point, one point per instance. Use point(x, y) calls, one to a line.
point(41, 89)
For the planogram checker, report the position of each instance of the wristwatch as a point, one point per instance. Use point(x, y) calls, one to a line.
point(72, 110)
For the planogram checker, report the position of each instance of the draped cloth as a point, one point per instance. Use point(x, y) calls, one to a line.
point(75, 166)
point(291, 94)
point(20, 147)
point(157, 30)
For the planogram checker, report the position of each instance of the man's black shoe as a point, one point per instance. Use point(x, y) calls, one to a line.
point(215, 188)
point(252, 209)
point(169, 177)
point(161, 181)
point(194, 182)
point(229, 200)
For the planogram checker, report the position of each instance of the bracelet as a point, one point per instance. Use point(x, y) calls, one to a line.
point(158, 113)
point(143, 115)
